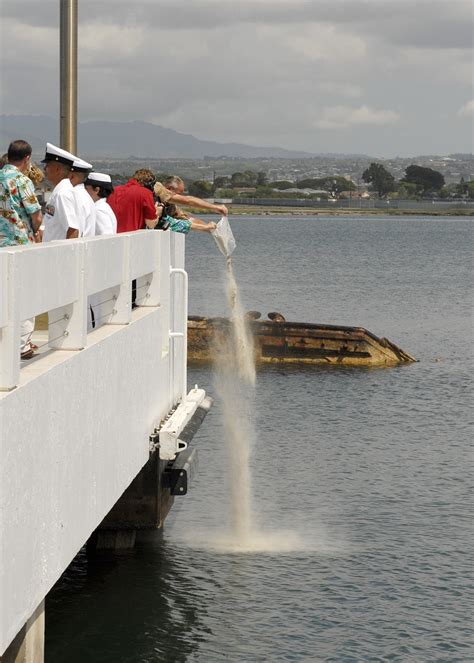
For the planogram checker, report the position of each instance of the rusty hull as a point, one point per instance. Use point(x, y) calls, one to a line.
point(298, 343)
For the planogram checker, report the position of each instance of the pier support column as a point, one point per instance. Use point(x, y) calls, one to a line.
point(119, 540)
point(28, 645)
point(148, 499)
point(144, 505)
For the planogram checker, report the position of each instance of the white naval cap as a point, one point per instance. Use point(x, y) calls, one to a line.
point(81, 166)
point(99, 179)
point(54, 153)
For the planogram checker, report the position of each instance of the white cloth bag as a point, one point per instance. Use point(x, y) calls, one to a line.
point(224, 237)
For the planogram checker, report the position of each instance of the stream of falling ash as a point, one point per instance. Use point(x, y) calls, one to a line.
point(235, 381)
point(235, 377)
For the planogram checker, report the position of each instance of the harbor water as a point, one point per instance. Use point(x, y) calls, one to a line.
point(360, 479)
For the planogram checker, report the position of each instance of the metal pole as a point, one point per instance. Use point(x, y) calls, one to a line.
point(68, 73)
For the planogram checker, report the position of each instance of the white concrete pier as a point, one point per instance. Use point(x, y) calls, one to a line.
point(75, 421)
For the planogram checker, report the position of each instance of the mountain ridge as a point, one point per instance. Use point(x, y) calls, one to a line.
point(119, 140)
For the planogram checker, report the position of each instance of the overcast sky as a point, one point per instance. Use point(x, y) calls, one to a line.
point(381, 77)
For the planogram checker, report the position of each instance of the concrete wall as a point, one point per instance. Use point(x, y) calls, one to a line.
point(74, 431)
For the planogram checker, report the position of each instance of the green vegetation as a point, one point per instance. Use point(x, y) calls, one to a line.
point(332, 185)
point(417, 183)
point(425, 179)
point(248, 178)
point(281, 185)
point(201, 189)
point(379, 178)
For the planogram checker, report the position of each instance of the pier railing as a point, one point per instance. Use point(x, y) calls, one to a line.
point(67, 279)
point(75, 421)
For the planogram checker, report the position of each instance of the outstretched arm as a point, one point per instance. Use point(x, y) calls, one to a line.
point(192, 201)
point(198, 224)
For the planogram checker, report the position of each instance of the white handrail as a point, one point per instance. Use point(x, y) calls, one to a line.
point(183, 334)
point(58, 277)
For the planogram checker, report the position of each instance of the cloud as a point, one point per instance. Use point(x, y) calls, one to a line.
point(343, 89)
point(467, 110)
point(323, 44)
point(264, 72)
point(422, 23)
point(344, 117)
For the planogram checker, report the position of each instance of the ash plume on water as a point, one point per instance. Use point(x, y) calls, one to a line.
point(235, 382)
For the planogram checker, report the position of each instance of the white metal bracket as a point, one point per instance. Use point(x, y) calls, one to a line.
point(169, 442)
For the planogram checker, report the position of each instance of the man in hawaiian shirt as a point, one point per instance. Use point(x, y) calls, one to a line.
point(20, 214)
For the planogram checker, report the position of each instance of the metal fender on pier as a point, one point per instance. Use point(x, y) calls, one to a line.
point(171, 438)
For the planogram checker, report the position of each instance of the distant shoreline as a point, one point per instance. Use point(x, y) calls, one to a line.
point(257, 210)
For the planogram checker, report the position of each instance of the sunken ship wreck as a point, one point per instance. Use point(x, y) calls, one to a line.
point(279, 341)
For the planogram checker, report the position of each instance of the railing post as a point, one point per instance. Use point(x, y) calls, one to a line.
point(123, 303)
point(9, 322)
point(67, 328)
point(153, 291)
point(175, 334)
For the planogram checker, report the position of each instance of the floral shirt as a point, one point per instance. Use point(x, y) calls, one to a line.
point(178, 225)
point(18, 203)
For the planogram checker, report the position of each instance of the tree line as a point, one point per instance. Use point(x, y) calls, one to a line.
point(417, 182)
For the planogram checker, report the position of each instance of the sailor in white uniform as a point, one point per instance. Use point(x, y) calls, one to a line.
point(85, 205)
point(99, 186)
point(60, 220)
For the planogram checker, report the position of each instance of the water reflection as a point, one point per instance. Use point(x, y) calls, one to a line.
point(140, 607)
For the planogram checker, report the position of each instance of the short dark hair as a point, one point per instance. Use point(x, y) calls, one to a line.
point(105, 191)
point(18, 150)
